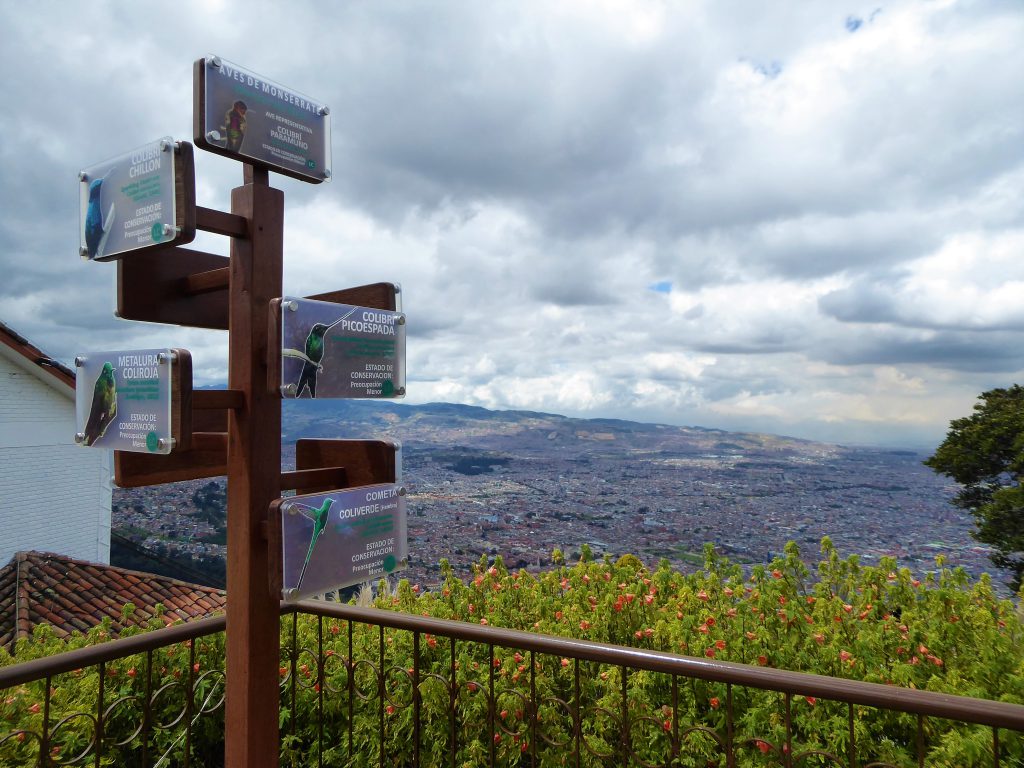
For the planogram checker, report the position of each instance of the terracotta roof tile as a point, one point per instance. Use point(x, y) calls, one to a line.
point(73, 595)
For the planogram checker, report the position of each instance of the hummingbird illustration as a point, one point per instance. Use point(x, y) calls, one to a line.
point(104, 405)
point(312, 355)
point(96, 228)
point(234, 125)
point(319, 516)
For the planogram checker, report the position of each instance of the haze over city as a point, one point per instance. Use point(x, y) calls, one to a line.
point(793, 218)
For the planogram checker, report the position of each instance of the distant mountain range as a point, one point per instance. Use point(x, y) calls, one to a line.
point(441, 423)
point(518, 483)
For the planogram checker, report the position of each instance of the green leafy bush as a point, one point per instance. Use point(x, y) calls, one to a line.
point(876, 623)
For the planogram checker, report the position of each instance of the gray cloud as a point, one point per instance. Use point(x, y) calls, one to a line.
point(837, 210)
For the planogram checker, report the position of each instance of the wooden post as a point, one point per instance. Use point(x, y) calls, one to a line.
point(254, 469)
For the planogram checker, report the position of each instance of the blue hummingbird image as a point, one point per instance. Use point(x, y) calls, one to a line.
point(96, 226)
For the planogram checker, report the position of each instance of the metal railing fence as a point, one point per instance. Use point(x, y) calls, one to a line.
point(363, 686)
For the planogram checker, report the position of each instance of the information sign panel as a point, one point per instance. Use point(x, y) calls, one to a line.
point(334, 540)
point(123, 400)
point(135, 201)
point(341, 351)
point(248, 117)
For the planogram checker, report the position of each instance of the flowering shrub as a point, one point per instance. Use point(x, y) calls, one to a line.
point(876, 623)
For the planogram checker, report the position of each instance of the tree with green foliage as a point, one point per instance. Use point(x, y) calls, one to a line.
point(984, 452)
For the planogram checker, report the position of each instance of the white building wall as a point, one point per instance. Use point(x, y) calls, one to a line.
point(55, 496)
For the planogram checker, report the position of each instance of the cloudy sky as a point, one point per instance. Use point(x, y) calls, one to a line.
point(790, 217)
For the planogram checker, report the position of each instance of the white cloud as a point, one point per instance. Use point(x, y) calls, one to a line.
point(838, 213)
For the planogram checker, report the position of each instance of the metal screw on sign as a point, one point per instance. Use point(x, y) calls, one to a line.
point(291, 306)
point(292, 592)
point(84, 252)
point(79, 361)
point(169, 231)
point(212, 136)
point(165, 145)
point(83, 176)
point(165, 442)
point(324, 111)
point(402, 491)
point(166, 357)
point(79, 437)
point(290, 389)
point(214, 62)
point(327, 173)
point(400, 391)
point(401, 319)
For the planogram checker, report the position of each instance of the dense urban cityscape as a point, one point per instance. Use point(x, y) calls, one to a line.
point(485, 483)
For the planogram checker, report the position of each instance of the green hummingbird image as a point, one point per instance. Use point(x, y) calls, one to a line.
point(314, 351)
point(312, 355)
point(319, 517)
point(103, 410)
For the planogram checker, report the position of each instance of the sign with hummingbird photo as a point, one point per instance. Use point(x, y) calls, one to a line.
point(135, 201)
point(250, 118)
point(123, 400)
point(340, 351)
point(334, 540)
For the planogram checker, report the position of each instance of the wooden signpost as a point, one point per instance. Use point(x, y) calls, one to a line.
point(237, 431)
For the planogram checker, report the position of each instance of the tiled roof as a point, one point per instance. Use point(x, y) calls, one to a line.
point(19, 344)
point(68, 594)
